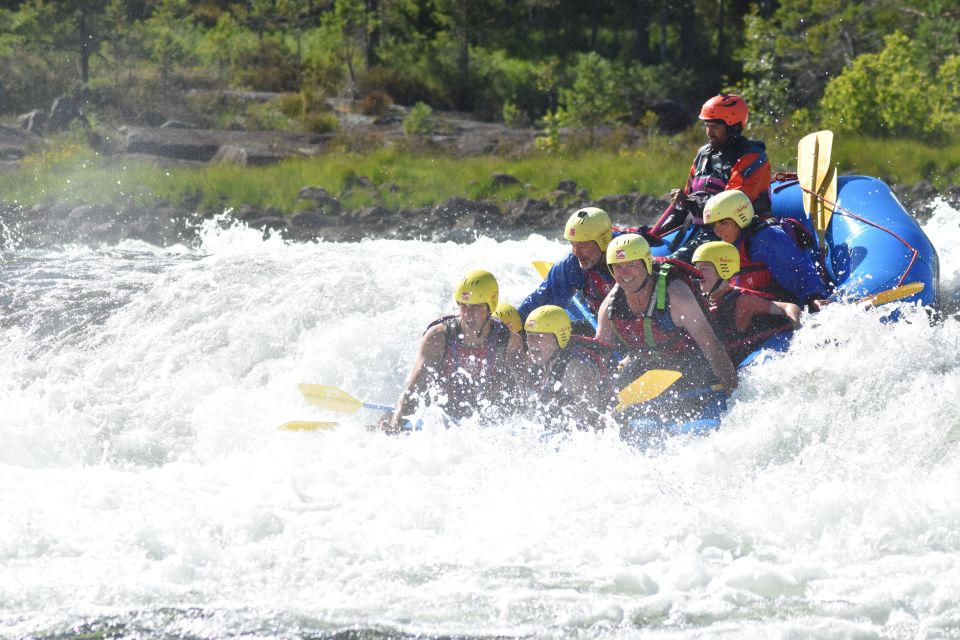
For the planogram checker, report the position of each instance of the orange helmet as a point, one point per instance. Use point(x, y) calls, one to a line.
point(731, 109)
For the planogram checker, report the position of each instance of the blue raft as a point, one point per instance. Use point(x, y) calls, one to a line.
point(873, 244)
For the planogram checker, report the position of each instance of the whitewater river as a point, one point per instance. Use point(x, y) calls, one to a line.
point(145, 491)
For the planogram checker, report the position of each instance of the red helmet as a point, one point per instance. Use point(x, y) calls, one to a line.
point(730, 108)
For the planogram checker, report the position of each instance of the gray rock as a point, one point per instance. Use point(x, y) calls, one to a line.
point(63, 111)
point(32, 121)
point(178, 124)
point(323, 200)
point(309, 220)
point(501, 180)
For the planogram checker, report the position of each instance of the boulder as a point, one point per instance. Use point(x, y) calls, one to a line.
point(501, 180)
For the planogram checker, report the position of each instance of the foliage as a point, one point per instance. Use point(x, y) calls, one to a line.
point(893, 92)
point(594, 97)
point(790, 56)
point(594, 65)
point(420, 121)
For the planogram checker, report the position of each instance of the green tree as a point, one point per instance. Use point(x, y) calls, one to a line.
point(594, 98)
point(78, 27)
point(893, 92)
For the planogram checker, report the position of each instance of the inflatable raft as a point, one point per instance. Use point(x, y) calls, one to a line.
point(872, 245)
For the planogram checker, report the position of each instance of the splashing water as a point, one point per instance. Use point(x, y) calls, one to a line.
point(147, 492)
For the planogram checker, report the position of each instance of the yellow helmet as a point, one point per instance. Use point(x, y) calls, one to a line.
point(508, 315)
point(589, 223)
point(550, 319)
point(627, 248)
point(722, 255)
point(478, 287)
point(733, 204)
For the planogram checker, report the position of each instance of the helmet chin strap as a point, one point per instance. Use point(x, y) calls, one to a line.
point(482, 325)
point(716, 285)
point(642, 284)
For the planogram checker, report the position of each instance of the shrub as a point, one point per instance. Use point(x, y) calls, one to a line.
point(271, 67)
point(321, 122)
point(291, 105)
point(420, 121)
point(594, 97)
point(891, 92)
point(403, 86)
point(375, 103)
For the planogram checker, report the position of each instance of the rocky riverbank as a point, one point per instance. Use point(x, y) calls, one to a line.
point(323, 217)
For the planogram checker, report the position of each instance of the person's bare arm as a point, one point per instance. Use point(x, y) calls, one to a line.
point(604, 326)
point(749, 305)
point(686, 313)
point(432, 349)
point(586, 401)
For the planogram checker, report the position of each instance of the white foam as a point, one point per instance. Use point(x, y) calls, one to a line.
point(145, 482)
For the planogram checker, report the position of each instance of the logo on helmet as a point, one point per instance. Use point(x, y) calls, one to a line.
point(573, 232)
point(465, 296)
point(621, 254)
point(531, 324)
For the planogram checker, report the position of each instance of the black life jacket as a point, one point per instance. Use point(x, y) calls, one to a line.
point(740, 344)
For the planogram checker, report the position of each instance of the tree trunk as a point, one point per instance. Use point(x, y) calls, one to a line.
point(463, 61)
point(721, 37)
point(373, 33)
point(641, 27)
point(85, 41)
point(688, 31)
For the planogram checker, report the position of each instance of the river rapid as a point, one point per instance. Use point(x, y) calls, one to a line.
point(146, 492)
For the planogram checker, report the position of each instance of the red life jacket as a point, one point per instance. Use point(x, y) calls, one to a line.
point(470, 376)
point(597, 284)
point(654, 334)
point(756, 276)
point(598, 354)
point(753, 274)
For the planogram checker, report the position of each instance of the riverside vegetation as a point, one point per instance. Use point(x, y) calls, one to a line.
point(609, 92)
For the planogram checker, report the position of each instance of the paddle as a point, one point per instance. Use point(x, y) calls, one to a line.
point(543, 268)
point(306, 425)
point(336, 399)
point(647, 387)
point(818, 179)
point(890, 295)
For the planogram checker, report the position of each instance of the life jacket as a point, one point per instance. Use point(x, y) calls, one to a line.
point(597, 284)
point(654, 335)
point(598, 354)
point(712, 168)
point(723, 315)
point(468, 376)
point(755, 275)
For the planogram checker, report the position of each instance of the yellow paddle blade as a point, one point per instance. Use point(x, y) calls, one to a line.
point(330, 398)
point(829, 197)
point(542, 267)
point(893, 294)
point(813, 165)
point(306, 425)
point(646, 387)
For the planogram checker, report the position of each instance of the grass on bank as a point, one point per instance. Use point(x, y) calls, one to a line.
point(407, 178)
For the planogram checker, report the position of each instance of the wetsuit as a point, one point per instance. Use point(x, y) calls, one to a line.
point(739, 164)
